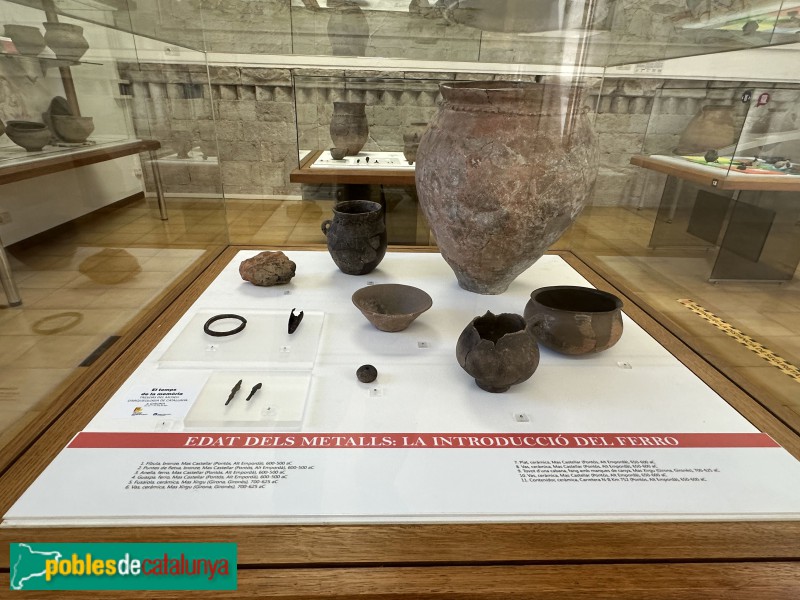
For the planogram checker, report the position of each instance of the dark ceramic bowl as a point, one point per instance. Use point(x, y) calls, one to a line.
point(72, 129)
point(391, 306)
point(30, 135)
point(498, 351)
point(574, 320)
point(2, 128)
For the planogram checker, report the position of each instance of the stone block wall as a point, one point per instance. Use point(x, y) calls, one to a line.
point(255, 119)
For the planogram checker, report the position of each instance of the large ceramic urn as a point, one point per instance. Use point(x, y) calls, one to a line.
point(349, 127)
point(710, 129)
point(348, 29)
point(502, 171)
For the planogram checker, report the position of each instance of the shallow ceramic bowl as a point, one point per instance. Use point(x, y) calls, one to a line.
point(574, 320)
point(30, 135)
point(391, 306)
point(72, 129)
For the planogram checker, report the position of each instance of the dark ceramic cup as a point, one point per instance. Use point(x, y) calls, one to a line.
point(356, 236)
point(498, 351)
point(574, 320)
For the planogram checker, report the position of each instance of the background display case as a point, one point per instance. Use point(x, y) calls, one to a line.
point(735, 159)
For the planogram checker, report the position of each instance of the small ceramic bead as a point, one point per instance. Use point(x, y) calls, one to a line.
point(367, 373)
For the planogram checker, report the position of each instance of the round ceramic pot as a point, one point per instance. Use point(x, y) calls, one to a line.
point(66, 40)
point(72, 129)
point(498, 351)
point(28, 40)
point(348, 30)
point(710, 129)
point(356, 236)
point(58, 106)
point(502, 171)
point(574, 320)
point(30, 135)
point(411, 139)
point(349, 127)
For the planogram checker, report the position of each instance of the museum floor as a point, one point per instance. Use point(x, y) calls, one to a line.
point(84, 284)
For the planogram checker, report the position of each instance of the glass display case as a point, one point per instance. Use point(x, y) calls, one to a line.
point(237, 99)
point(732, 180)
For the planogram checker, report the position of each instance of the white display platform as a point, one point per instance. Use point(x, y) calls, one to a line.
point(265, 343)
point(363, 160)
point(629, 434)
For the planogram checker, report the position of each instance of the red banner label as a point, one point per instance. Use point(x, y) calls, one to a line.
point(422, 440)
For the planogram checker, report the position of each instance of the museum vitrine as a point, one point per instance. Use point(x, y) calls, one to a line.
point(735, 158)
point(240, 96)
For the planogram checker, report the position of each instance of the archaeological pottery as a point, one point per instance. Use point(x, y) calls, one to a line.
point(502, 171)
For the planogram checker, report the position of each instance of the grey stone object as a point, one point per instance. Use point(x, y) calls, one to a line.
point(267, 269)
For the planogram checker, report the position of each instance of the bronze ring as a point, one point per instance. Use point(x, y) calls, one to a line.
point(234, 331)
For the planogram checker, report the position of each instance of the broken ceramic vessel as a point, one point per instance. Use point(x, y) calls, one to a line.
point(498, 351)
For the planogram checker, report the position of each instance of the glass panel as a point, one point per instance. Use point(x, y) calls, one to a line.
point(695, 240)
point(173, 103)
point(605, 32)
point(770, 141)
point(88, 237)
point(357, 134)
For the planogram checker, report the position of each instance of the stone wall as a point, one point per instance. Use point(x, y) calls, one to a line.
point(261, 115)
